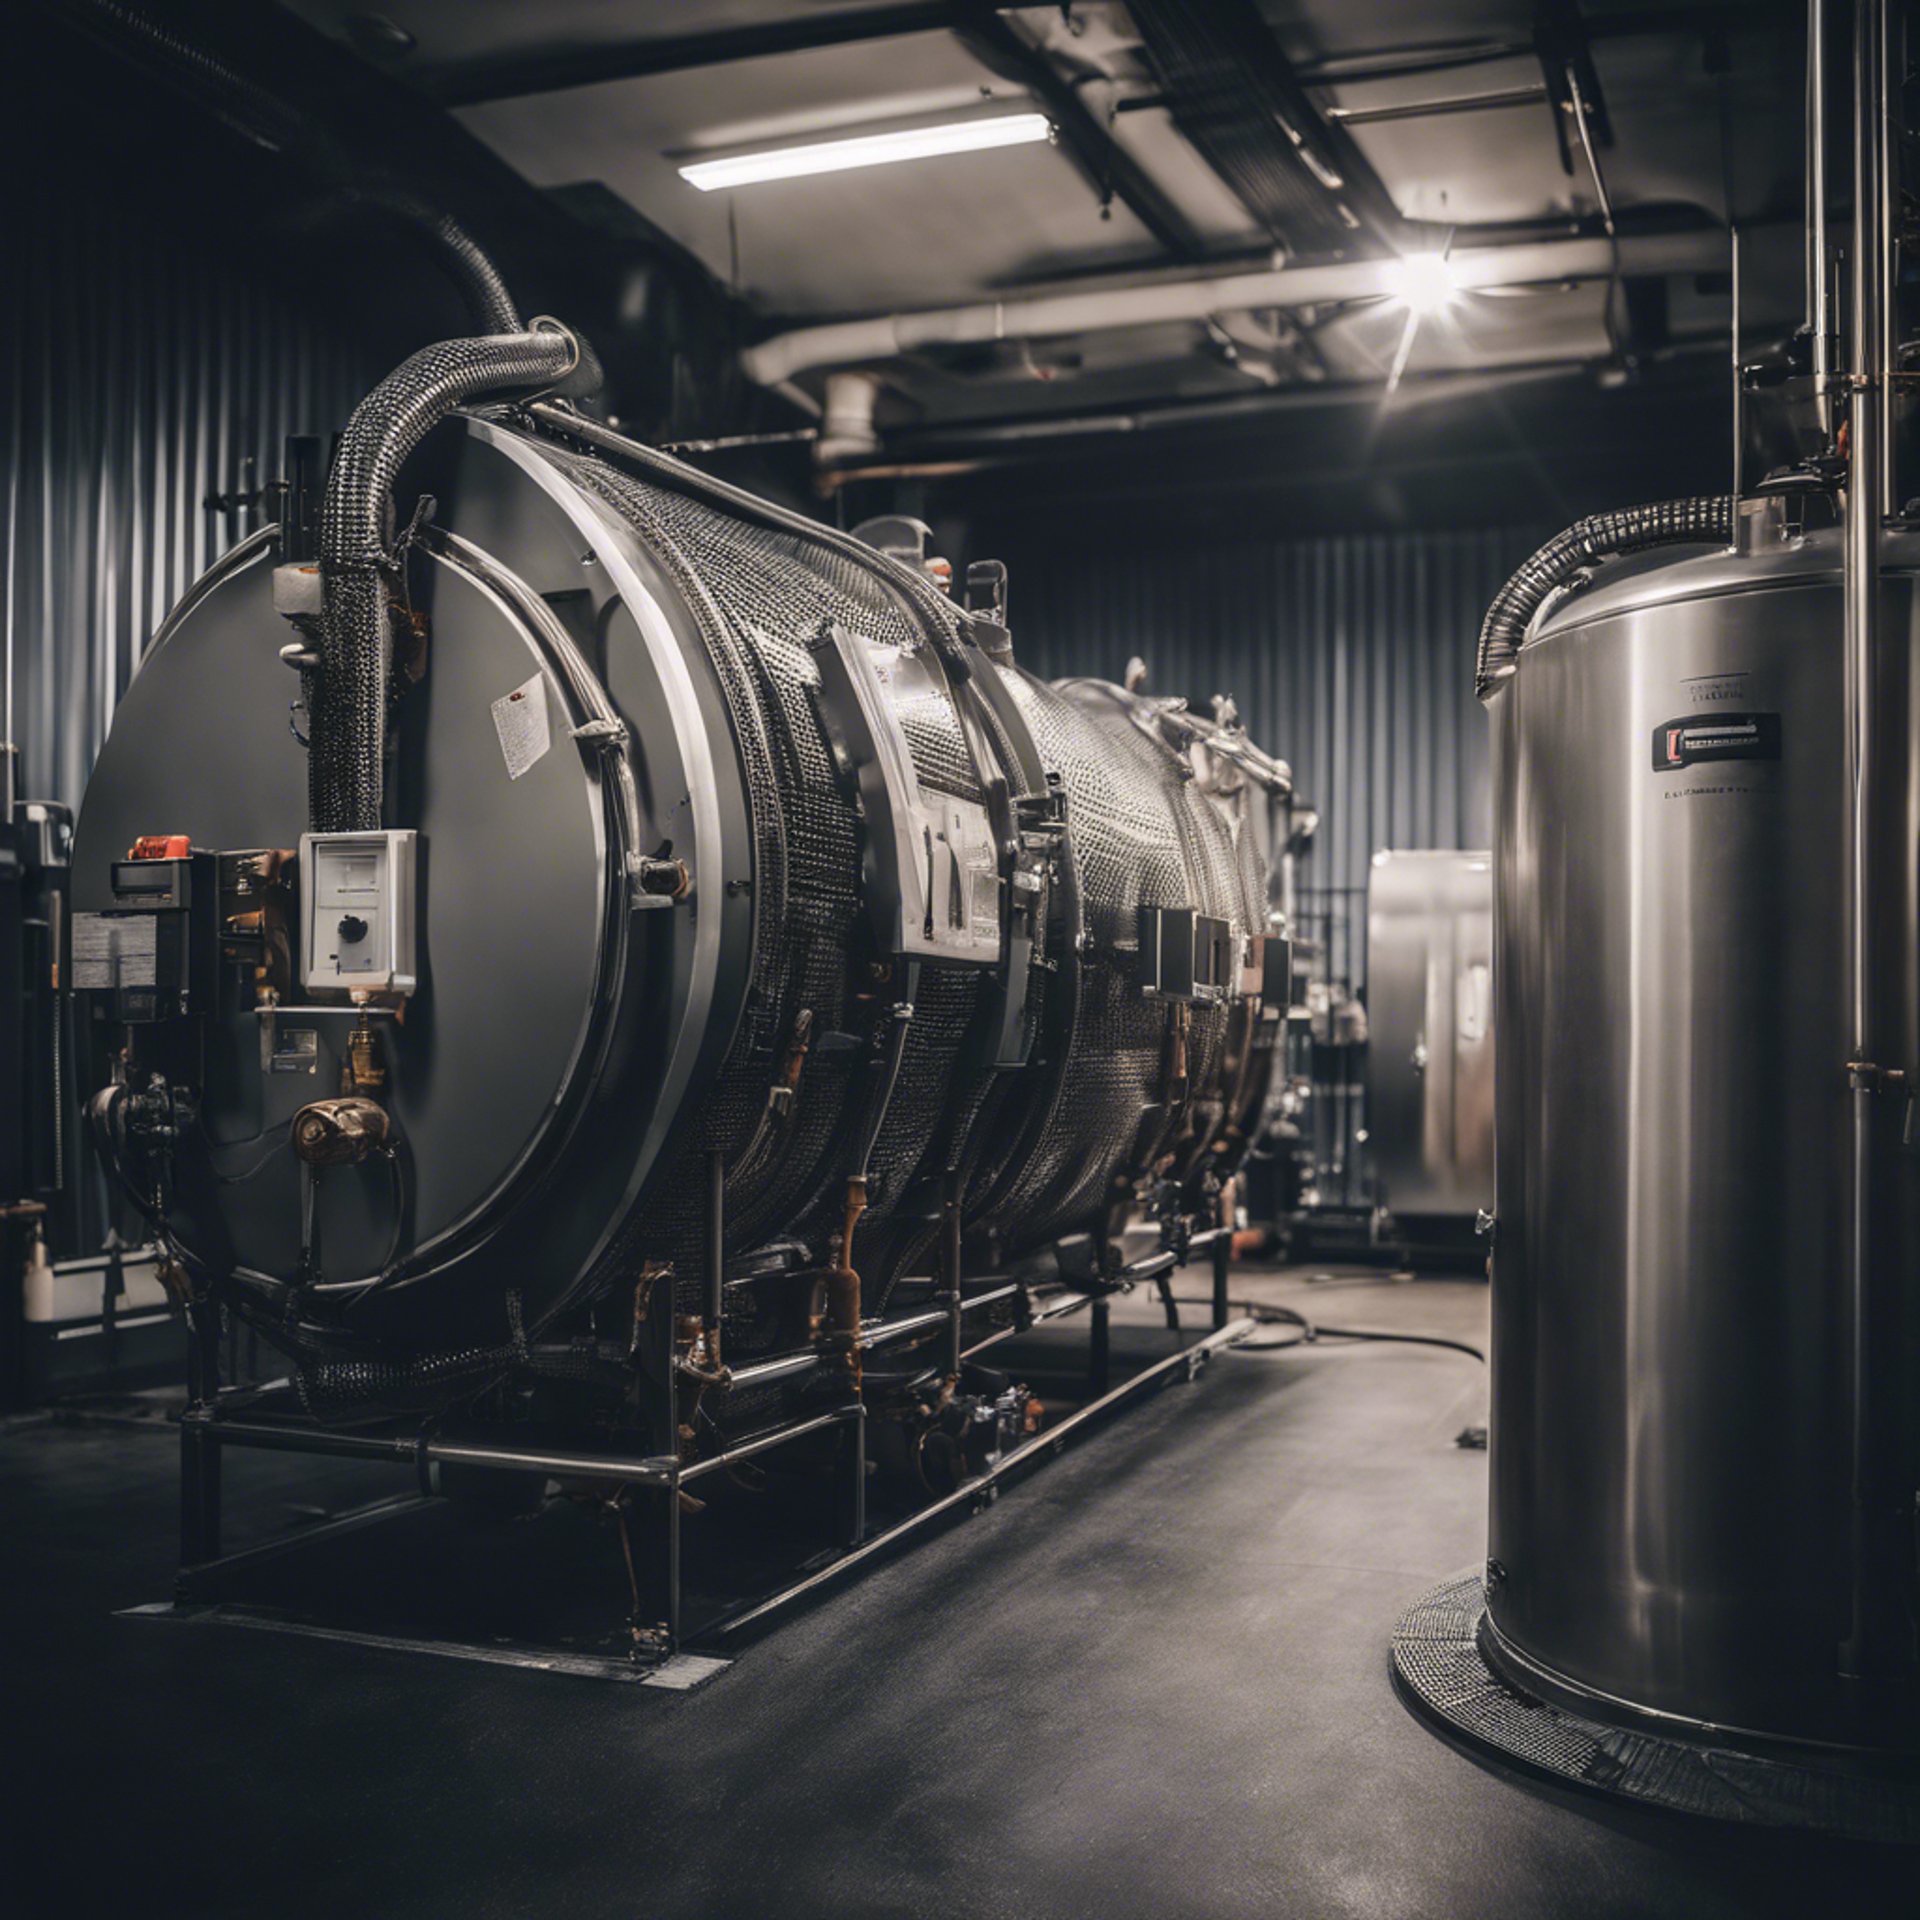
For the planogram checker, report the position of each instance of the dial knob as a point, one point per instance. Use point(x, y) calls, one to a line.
point(352, 927)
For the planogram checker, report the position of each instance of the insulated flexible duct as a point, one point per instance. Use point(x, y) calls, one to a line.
point(1588, 542)
point(344, 773)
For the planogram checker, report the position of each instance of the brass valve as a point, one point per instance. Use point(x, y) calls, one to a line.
point(364, 1070)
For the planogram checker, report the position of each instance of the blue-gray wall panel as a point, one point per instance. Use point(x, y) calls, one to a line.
point(1351, 658)
point(138, 373)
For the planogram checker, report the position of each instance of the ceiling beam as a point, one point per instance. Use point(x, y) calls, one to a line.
point(511, 76)
point(1236, 97)
point(1109, 169)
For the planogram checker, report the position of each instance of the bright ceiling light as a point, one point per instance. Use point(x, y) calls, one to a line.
point(868, 150)
point(1423, 282)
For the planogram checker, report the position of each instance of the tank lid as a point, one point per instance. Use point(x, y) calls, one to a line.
point(1696, 572)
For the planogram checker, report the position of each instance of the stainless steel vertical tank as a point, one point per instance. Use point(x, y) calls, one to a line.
point(1673, 1458)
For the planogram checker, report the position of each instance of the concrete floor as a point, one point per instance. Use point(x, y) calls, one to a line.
point(1152, 1680)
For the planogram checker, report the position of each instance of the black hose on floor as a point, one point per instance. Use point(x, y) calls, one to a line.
point(1311, 1330)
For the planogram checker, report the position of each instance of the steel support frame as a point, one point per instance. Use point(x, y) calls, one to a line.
point(218, 1418)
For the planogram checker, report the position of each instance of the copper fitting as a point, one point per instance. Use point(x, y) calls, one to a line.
point(798, 1046)
point(843, 1287)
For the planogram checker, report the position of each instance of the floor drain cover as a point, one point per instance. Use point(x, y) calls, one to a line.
point(1437, 1659)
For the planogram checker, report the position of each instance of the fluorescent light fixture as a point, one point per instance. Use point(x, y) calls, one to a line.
point(1423, 282)
point(868, 150)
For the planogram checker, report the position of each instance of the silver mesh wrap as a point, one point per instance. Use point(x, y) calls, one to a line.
point(761, 598)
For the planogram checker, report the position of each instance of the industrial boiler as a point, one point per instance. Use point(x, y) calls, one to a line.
point(582, 956)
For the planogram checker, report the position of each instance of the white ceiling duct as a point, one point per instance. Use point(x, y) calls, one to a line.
point(849, 343)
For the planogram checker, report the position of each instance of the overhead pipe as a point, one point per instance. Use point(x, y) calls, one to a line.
point(847, 343)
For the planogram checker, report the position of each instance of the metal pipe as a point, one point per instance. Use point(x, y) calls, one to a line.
point(952, 1249)
point(272, 1438)
point(715, 1254)
point(1739, 406)
point(1586, 147)
point(1819, 291)
point(766, 1442)
point(971, 1492)
point(1885, 171)
point(9, 750)
point(1861, 590)
point(1055, 1308)
point(1525, 96)
point(881, 1333)
point(887, 337)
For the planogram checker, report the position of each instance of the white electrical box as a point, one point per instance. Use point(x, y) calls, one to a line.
point(357, 911)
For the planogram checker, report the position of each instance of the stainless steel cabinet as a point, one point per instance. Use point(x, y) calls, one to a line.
point(1430, 1014)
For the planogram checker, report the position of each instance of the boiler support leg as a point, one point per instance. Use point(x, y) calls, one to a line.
point(854, 1506)
point(1100, 1354)
point(199, 1446)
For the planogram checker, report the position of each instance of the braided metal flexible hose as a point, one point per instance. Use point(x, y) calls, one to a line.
point(345, 766)
point(1705, 518)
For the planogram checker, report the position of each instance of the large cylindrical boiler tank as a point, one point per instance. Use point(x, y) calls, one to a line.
point(1675, 1463)
point(756, 904)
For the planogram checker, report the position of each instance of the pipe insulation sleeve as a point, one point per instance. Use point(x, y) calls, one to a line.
point(345, 764)
point(1705, 519)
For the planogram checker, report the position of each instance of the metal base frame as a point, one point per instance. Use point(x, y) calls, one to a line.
point(1442, 1671)
point(218, 1417)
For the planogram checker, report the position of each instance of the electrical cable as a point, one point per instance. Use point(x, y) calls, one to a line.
point(260, 1165)
point(1311, 1330)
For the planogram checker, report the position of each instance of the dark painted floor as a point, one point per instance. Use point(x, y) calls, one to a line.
point(1151, 1681)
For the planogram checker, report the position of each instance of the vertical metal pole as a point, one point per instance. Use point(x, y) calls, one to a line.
point(673, 1564)
point(1100, 1347)
point(663, 1371)
point(951, 1250)
point(199, 1446)
point(1867, 355)
point(1222, 1260)
point(1739, 402)
point(1884, 152)
point(855, 1441)
point(714, 1304)
point(10, 586)
point(1819, 263)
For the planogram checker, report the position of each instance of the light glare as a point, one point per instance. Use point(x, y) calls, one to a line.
point(1424, 282)
point(868, 150)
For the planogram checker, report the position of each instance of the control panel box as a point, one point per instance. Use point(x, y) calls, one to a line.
point(358, 896)
point(152, 952)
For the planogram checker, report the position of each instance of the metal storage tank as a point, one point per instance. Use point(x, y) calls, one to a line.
point(1674, 1498)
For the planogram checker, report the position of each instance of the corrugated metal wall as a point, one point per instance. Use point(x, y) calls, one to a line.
point(1350, 658)
point(139, 372)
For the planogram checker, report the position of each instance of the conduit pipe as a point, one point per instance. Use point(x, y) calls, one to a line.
point(775, 362)
point(1880, 1640)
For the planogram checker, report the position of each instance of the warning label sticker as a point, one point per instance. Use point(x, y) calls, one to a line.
point(520, 719)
